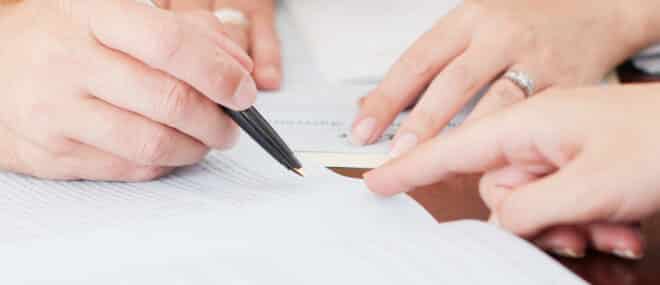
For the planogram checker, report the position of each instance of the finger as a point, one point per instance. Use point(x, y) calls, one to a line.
point(410, 75)
point(570, 192)
point(446, 95)
point(69, 162)
point(496, 185)
point(239, 34)
point(504, 92)
point(166, 42)
point(265, 47)
point(190, 4)
point(89, 163)
point(512, 137)
point(164, 4)
point(131, 136)
point(217, 31)
point(622, 240)
point(566, 241)
point(130, 85)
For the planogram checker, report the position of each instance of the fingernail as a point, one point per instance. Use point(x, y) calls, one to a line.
point(627, 254)
point(568, 252)
point(245, 94)
point(271, 73)
point(363, 131)
point(403, 144)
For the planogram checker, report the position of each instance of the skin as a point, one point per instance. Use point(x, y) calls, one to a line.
point(568, 159)
point(107, 90)
point(476, 43)
point(259, 38)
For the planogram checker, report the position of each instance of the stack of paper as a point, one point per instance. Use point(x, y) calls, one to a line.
point(240, 218)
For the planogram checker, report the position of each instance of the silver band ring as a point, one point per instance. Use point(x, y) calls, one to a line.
point(522, 80)
point(231, 16)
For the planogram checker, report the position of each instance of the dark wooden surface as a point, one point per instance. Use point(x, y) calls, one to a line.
point(459, 199)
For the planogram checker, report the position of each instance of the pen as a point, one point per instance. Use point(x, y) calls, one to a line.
point(254, 124)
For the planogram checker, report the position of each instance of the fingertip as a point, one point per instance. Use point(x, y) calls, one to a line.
point(376, 181)
point(268, 77)
point(625, 241)
point(515, 217)
point(363, 131)
point(565, 241)
point(245, 94)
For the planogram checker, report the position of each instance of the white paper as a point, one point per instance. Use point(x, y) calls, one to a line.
point(357, 41)
point(239, 218)
point(319, 128)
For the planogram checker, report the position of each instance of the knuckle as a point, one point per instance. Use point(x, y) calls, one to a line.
point(225, 77)
point(178, 102)
point(423, 121)
point(169, 40)
point(419, 64)
point(462, 76)
point(382, 104)
point(507, 92)
point(155, 147)
point(61, 147)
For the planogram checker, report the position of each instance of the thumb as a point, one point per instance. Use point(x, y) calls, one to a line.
point(569, 196)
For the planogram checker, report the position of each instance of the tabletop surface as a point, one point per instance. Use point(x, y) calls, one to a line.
point(459, 199)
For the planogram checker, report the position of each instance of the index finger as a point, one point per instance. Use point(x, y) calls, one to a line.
point(412, 72)
point(167, 42)
point(470, 149)
point(523, 135)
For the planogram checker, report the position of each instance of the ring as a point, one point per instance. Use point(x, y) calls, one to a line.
point(522, 80)
point(231, 16)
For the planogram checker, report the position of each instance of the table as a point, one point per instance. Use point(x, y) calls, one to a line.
point(459, 199)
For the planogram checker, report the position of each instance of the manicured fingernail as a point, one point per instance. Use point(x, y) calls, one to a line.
point(568, 252)
point(245, 94)
point(403, 144)
point(627, 254)
point(363, 131)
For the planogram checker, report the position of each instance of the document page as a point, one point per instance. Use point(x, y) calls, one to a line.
point(240, 218)
point(316, 123)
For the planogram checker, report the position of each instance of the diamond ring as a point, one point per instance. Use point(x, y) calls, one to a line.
point(522, 80)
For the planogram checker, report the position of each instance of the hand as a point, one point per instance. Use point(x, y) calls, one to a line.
point(114, 90)
point(558, 43)
point(259, 37)
point(571, 158)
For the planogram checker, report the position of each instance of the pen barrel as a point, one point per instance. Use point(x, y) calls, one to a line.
point(263, 133)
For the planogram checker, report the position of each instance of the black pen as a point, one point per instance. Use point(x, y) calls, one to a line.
point(261, 131)
point(251, 121)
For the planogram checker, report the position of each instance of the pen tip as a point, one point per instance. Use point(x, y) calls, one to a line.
point(299, 171)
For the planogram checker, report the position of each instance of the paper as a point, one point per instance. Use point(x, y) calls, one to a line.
point(319, 129)
point(357, 41)
point(240, 218)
